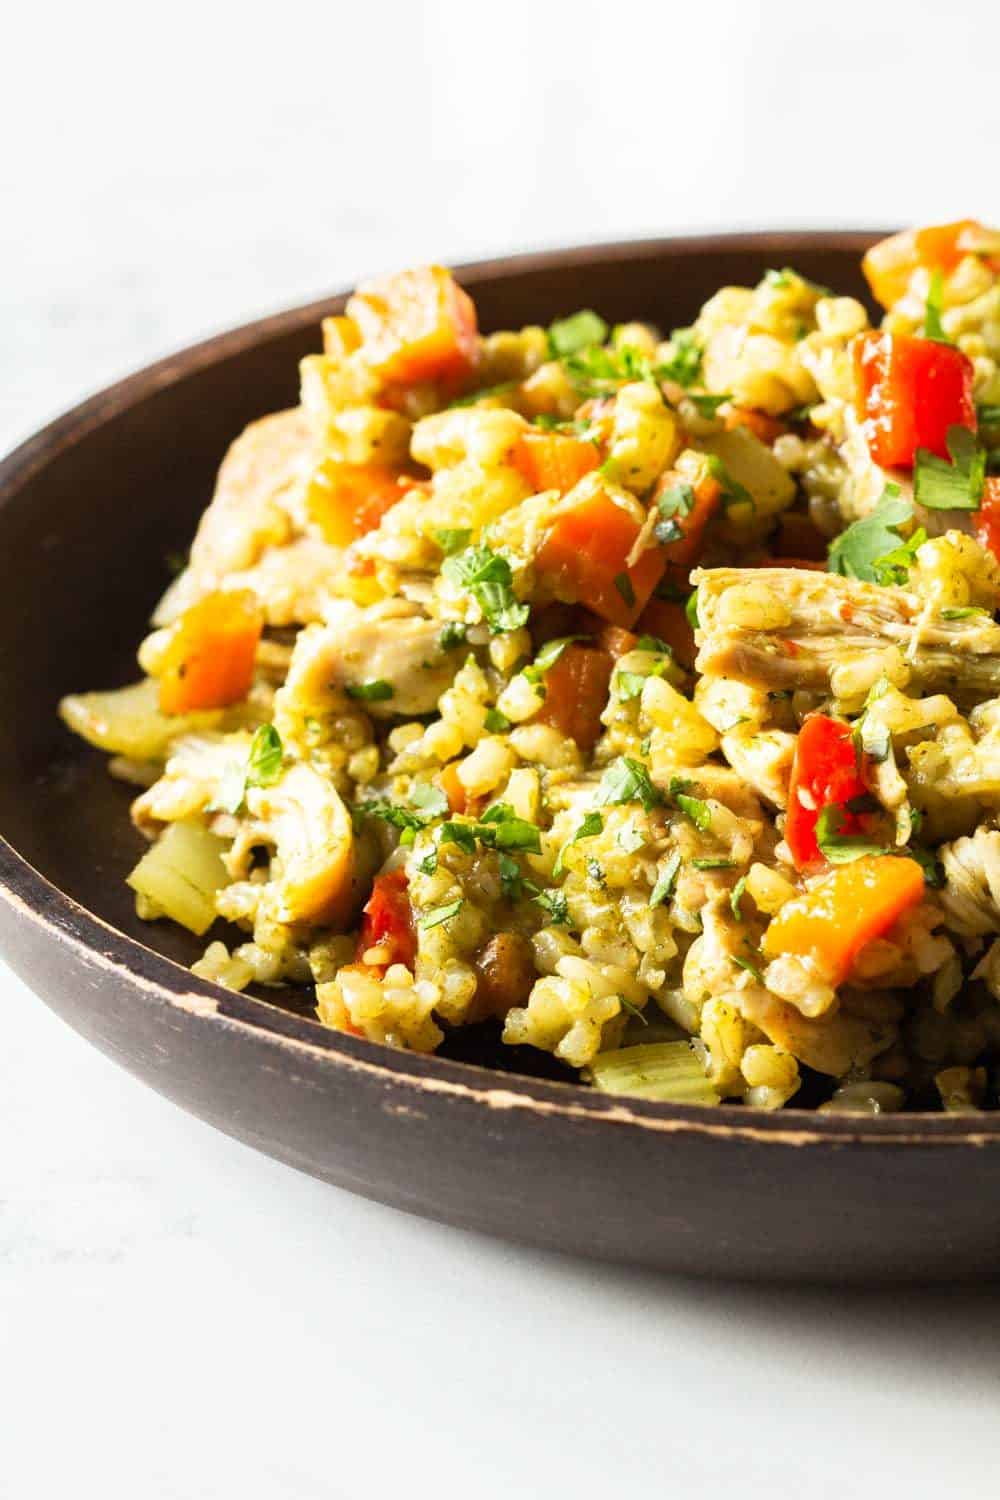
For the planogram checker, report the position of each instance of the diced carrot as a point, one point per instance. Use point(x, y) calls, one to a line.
point(910, 393)
point(669, 623)
point(763, 426)
point(583, 556)
point(416, 326)
point(616, 641)
point(348, 500)
point(555, 460)
point(987, 518)
point(889, 265)
point(447, 779)
point(387, 921)
point(840, 915)
point(576, 693)
point(209, 658)
point(683, 553)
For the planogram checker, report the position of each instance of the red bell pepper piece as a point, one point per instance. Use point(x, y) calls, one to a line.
point(910, 391)
point(388, 920)
point(825, 773)
point(987, 517)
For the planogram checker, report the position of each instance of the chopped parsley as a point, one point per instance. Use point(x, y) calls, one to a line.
point(933, 327)
point(453, 539)
point(427, 803)
point(498, 828)
point(510, 876)
point(548, 656)
point(580, 331)
point(629, 685)
point(486, 575)
point(496, 722)
point(666, 880)
point(691, 610)
point(630, 837)
point(452, 634)
point(429, 863)
point(842, 848)
point(438, 914)
point(375, 691)
point(697, 810)
point(684, 363)
point(623, 584)
point(265, 759)
point(553, 903)
point(870, 549)
point(627, 780)
point(958, 485)
point(592, 825)
point(733, 493)
point(631, 1008)
point(708, 406)
point(674, 502)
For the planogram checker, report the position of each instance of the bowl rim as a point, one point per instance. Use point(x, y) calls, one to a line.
point(161, 981)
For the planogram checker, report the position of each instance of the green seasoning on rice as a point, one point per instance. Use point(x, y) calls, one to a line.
point(604, 692)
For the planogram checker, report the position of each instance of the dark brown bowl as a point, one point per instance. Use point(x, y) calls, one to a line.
point(89, 509)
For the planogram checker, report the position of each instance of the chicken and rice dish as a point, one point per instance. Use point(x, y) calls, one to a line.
point(634, 694)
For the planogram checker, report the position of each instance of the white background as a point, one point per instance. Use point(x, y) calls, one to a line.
point(182, 1318)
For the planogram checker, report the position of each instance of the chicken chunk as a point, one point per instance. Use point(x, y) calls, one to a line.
point(388, 657)
point(782, 628)
point(254, 508)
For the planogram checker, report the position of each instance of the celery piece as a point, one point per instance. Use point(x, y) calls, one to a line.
point(180, 875)
point(669, 1071)
point(127, 721)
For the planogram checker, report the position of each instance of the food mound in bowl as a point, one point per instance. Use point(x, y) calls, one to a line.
point(637, 697)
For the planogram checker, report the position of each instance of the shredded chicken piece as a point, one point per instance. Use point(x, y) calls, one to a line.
point(971, 894)
point(816, 622)
point(255, 508)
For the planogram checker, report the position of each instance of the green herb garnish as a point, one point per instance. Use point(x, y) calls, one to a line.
point(452, 539)
point(265, 759)
point(933, 327)
point(578, 332)
point(627, 780)
point(486, 575)
point(736, 898)
point(376, 691)
point(439, 914)
point(452, 634)
point(666, 880)
point(683, 366)
point(591, 825)
point(496, 722)
point(958, 485)
point(548, 656)
point(842, 848)
point(860, 550)
point(632, 1009)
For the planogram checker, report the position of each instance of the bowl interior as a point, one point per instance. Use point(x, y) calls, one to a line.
point(91, 510)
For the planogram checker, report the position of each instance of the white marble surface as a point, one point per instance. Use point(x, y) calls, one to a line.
point(178, 1316)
